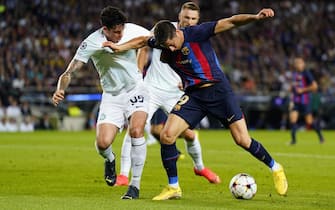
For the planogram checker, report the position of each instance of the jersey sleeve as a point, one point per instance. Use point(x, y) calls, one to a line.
point(86, 49)
point(200, 32)
point(309, 77)
point(133, 31)
point(140, 31)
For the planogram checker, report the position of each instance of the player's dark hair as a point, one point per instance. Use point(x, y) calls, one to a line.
point(163, 31)
point(112, 16)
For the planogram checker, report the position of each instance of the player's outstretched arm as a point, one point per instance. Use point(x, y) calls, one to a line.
point(143, 57)
point(135, 43)
point(310, 88)
point(242, 19)
point(64, 81)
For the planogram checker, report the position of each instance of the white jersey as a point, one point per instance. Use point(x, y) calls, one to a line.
point(160, 75)
point(118, 71)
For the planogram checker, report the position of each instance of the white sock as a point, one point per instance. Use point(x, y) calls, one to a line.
point(106, 153)
point(150, 138)
point(276, 166)
point(174, 185)
point(138, 155)
point(125, 161)
point(194, 150)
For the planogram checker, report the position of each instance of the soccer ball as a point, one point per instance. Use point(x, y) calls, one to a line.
point(243, 186)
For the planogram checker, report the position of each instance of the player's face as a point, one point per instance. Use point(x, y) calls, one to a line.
point(188, 17)
point(175, 43)
point(299, 64)
point(114, 34)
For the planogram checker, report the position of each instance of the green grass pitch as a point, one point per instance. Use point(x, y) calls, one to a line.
point(62, 170)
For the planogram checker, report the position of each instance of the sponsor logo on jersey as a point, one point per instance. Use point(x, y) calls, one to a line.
point(183, 62)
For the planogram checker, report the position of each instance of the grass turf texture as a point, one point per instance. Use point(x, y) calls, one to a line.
point(61, 170)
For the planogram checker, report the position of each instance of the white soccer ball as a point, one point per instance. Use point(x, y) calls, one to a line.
point(243, 186)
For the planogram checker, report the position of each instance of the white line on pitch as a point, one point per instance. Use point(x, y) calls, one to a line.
point(299, 155)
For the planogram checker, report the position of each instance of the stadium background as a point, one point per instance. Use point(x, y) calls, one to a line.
point(38, 39)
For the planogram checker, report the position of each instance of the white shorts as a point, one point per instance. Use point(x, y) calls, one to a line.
point(163, 100)
point(117, 109)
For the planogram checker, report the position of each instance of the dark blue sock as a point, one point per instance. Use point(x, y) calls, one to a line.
point(169, 154)
point(259, 152)
point(317, 128)
point(294, 128)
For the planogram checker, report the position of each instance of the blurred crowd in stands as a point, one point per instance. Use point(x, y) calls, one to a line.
point(39, 37)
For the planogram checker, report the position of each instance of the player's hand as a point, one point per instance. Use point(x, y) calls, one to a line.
point(111, 45)
point(265, 13)
point(180, 86)
point(299, 90)
point(290, 106)
point(58, 96)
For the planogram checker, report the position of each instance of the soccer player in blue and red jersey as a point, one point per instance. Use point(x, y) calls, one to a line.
point(207, 91)
point(303, 83)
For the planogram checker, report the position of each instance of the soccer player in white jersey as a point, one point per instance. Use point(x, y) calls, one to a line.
point(164, 87)
point(124, 95)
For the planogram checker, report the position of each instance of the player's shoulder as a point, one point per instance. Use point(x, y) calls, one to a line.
point(199, 32)
point(97, 34)
point(133, 26)
point(202, 26)
point(93, 41)
point(132, 30)
point(308, 73)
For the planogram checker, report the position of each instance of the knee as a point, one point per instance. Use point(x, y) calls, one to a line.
point(309, 121)
point(136, 132)
point(166, 137)
point(188, 135)
point(102, 143)
point(155, 130)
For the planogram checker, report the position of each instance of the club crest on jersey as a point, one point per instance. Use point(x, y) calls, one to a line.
point(102, 116)
point(83, 45)
point(185, 51)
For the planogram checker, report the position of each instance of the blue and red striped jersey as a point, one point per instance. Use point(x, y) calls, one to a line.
point(196, 62)
point(301, 80)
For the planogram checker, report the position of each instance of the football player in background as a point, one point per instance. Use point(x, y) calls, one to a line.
point(302, 85)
